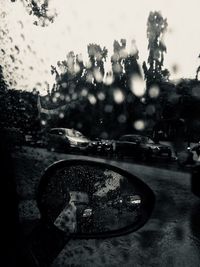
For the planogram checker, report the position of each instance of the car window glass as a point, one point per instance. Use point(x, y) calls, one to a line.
point(63, 67)
point(135, 139)
point(74, 133)
point(53, 131)
point(123, 138)
point(150, 141)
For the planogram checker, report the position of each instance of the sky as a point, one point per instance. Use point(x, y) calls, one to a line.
point(35, 49)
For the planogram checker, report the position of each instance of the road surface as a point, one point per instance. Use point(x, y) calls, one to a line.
point(169, 238)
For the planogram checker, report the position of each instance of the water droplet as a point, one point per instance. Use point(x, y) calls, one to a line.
point(108, 108)
point(43, 122)
point(92, 99)
point(101, 96)
point(109, 79)
point(122, 118)
point(139, 125)
point(137, 85)
point(61, 115)
point(118, 96)
point(154, 91)
point(150, 109)
point(84, 92)
point(98, 76)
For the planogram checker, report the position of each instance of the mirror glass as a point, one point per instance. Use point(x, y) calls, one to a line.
point(89, 199)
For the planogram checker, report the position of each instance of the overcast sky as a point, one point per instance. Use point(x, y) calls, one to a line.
point(81, 22)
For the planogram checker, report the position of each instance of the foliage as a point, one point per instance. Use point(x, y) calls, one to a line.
point(40, 11)
point(93, 91)
point(198, 70)
point(156, 28)
point(104, 104)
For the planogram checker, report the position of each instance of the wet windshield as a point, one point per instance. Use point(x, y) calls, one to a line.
point(104, 70)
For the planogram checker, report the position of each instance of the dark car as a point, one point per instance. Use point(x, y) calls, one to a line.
point(101, 147)
point(141, 147)
point(68, 140)
point(129, 202)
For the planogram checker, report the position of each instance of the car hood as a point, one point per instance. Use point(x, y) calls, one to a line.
point(101, 142)
point(78, 139)
point(160, 146)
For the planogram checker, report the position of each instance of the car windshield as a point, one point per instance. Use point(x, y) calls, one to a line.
point(72, 78)
point(147, 140)
point(74, 133)
point(141, 139)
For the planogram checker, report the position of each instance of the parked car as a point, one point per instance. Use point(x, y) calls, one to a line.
point(141, 147)
point(67, 140)
point(101, 147)
point(35, 140)
point(130, 202)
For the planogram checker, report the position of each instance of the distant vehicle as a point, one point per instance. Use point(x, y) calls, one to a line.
point(141, 147)
point(34, 140)
point(87, 213)
point(67, 140)
point(196, 148)
point(130, 202)
point(100, 146)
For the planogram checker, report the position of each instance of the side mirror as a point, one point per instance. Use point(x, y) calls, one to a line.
point(195, 180)
point(87, 199)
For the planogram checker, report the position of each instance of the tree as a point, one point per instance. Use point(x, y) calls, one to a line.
point(118, 57)
point(3, 91)
point(68, 75)
point(156, 28)
point(3, 85)
point(97, 57)
point(131, 66)
point(39, 9)
point(198, 70)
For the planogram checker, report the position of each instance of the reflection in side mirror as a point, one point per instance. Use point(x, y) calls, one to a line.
point(84, 198)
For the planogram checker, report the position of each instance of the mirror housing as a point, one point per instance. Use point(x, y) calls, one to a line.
point(121, 207)
point(195, 180)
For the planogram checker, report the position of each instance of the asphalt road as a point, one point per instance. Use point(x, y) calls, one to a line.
point(171, 237)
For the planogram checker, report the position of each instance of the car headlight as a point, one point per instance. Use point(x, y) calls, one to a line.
point(87, 213)
point(155, 148)
point(92, 144)
point(72, 142)
point(137, 201)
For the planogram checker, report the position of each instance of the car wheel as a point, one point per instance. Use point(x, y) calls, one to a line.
point(146, 156)
point(120, 155)
point(169, 158)
point(50, 147)
point(85, 153)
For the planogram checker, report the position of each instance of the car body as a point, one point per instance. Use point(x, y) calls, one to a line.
point(130, 202)
point(66, 140)
point(35, 140)
point(141, 147)
point(87, 212)
point(101, 146)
